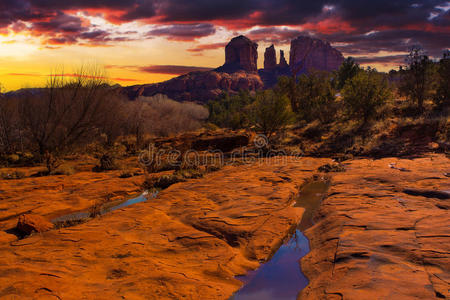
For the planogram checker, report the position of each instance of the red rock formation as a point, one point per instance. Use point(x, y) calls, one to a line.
point(199, 86)
point(308, 53)
point(240, 54)
point(283, 62)
point(240, 70)
point(270, 58)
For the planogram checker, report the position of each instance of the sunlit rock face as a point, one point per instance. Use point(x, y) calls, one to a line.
point(199, 86)
point(309, 53)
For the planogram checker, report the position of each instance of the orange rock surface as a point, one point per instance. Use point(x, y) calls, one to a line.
point(375, 241)
point(187, 243)
point(380, 234)
point(51, 196)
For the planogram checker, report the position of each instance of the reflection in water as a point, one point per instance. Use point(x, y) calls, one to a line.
point(281, 277)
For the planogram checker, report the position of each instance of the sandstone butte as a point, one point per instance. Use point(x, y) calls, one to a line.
point(372, 238)
point(240, 70)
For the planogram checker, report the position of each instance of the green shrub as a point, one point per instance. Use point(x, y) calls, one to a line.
point(365, 93)
point(418, 79)
point(442, 95)
point(316, 97)
point(230, 111)
point(347, 71)
point(270, 112)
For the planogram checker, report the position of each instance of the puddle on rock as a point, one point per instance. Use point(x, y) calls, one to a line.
point(80, 217)
point(281, 277)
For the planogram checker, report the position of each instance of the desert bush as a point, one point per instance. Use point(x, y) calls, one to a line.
point(107, 162)
point(442, 95)
point(288, 86)
point(161, 116)
point(365, 93)
point(170, 117)
point(229, 111)
point(270, 112)
point(347, 70)
point(418, 79)
point(315, 97)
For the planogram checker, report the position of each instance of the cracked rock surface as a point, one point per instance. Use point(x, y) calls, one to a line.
point(188, 243)
point(375, 239)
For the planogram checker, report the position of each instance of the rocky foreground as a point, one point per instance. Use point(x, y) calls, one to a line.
point(188, 243)
point(382, 233)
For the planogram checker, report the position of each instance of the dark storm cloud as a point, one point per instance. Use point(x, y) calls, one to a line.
point(274, 35)
point(398, 24)
point(397, 40)
point(183, 32)
point(206, 10)
point(60, 23)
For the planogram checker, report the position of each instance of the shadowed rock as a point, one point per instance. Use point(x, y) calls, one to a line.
point(428, 193)
point(270, 58)
point(283, 62)
point(240, 54)
point(308, 53)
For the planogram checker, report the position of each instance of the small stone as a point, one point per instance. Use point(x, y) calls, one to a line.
point(433, 146)
point(30, 223)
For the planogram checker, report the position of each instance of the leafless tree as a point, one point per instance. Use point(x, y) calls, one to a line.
point(138, 121)
point(8, 130)
point(65, 114)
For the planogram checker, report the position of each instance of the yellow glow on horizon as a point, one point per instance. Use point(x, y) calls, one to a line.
point(25, 62)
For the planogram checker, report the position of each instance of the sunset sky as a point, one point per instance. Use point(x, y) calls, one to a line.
point(144, 41)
